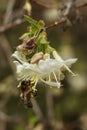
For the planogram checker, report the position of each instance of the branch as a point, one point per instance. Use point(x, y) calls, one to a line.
point(11, 25)
point(20, 21)
point(7, 50)
point(53, 6)
point(37, 110)
point(81, 5)
point(42, 4)
point(50, 108)
point(57, 23)
point(8, 14)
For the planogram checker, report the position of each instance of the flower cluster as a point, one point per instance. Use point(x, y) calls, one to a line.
point(36, 59)
point(42, 67)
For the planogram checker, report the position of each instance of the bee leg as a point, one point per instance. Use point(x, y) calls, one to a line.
point(29, 104)
point(27, 101)
point(34, 93)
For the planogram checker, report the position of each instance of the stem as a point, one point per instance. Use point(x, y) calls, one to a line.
point(9, 10)
point(11, 25)
point(42, 4)
point(37, 110)
point(56, 23)
point(7, 50)
point(81, 5)
point(50, 108)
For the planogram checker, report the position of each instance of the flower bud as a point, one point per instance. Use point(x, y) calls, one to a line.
point(20, 48)
point(37, 57)
point(30, 44)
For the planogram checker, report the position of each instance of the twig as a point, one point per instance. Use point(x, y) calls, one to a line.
point(52, 6)
point(8, 14)
point(50, 109)
point(81, 5)
point(11, 25)
point(42, 4)
point(37, 110)
point(56, 23)
point(19, 21)
point(7, 50)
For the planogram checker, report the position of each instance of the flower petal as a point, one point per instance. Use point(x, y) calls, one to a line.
point(71, 61)
point(54, 84)
point(19, 56)
point(49, 65)
point(65, 63)
point(19, 66)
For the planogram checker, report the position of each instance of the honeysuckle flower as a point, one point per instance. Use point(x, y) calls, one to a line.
point(48, 70)
point(36, 61)
point(66, 63)
point(18, 55)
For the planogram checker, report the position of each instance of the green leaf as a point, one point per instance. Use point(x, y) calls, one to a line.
point(39, 25)
point(24, 36)
point(31, 21)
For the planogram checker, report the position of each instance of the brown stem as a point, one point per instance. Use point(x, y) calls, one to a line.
point(52, 6)
point(81, 5)
point(18, 22)
point(11, 25)
point(56, 23)
point(42, 4)
point(50, 108)
point(8, 14)
point(37, 110)
point(7, 50)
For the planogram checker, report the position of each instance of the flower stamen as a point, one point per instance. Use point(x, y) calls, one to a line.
point(56, 79)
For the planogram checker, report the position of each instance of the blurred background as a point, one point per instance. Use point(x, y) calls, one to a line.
point(54, 109)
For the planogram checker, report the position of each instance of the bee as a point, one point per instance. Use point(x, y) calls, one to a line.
point(27, 92)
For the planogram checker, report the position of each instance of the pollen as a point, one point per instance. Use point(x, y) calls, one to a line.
point(20, 74)
point(32, 80)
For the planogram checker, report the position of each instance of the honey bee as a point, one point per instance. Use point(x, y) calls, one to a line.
point(26, 92)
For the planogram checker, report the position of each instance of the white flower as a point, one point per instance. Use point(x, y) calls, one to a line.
point(19, 56)
point(45, 70)
point(66, 63)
